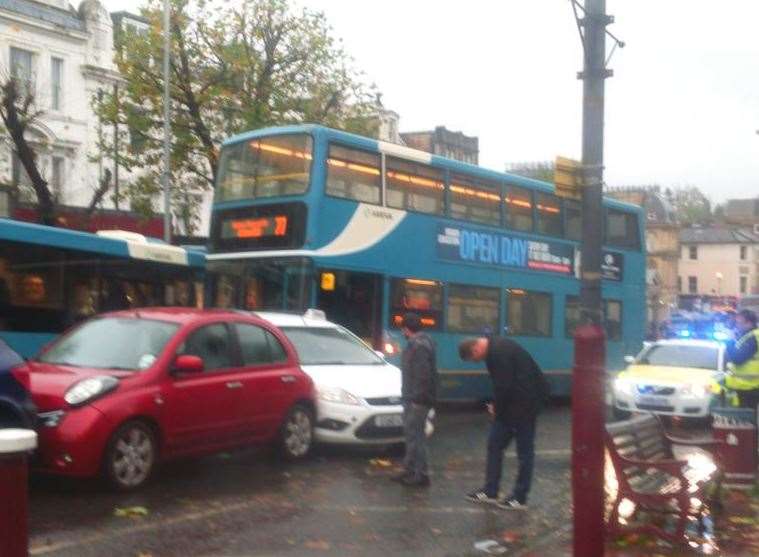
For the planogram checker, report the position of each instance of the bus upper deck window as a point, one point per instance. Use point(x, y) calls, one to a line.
point(549, 214)
point(475, 200)
point(353, 174)
point(414, 186)
point(519, 209)
point(265, 167)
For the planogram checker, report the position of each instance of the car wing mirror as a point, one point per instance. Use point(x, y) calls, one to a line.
point(188, 365)
point(629, 359)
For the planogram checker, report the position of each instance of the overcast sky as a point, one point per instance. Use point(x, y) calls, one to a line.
point(681, 109)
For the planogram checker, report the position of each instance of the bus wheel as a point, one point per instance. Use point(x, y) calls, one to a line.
point(296, 436)
point(130, 456)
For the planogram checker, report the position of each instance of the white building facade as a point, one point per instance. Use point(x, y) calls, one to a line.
point(66, 57)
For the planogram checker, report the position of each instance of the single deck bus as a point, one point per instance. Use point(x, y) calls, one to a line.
point(306, 216)
point(51, 278)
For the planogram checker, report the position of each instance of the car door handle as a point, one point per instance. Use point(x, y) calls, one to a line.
point(288, 379)
point(234, 385)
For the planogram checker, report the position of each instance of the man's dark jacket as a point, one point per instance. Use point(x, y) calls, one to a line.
point(519, 387)
point(419, 369)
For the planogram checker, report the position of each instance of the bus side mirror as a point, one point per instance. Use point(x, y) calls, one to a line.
point(188, 365)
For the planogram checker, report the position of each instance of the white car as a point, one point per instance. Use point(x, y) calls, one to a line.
point(672, 377)
point(358, 391)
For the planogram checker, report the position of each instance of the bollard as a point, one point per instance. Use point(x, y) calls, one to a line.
point(588, 383)
point(15, 445)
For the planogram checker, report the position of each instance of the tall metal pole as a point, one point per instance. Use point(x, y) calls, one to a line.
point(588, 377)
point(166, 121)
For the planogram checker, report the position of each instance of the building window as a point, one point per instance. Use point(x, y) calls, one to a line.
point(472, 309)
point(519, 209)
point(693, 252)
point(22, 69)
point(679, 284)
point(744, 253)
point(56, 83)
point(475, 200)
point(613, 319)
point(353, 174)
point(744, 285)
point(58, 177)
point(529, 313)
point(692, 285)
point(423, 297)
point(413, 186)
point(549, 214)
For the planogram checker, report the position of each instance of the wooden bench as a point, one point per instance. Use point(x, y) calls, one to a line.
point(649, 476)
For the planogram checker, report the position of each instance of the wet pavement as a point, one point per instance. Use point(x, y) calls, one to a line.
point(339, 502)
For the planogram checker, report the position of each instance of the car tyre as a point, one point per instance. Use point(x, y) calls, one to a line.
point(130, 456)
point(296, 435)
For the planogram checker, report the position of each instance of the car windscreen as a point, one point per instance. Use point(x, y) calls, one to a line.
point(112, 343)
point(330, 346)
point(680, 355)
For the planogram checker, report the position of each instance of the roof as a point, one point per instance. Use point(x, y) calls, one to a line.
point(112, 243)
point(49, 14)
point(403, 152)
point(723, 235)
point(293, 320)
point(179, 314)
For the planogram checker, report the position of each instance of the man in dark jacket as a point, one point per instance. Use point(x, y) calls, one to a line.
point(419, 371)
point(520, 390)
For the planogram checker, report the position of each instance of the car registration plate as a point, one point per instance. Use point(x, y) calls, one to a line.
point(388, 420)
point(657, 401)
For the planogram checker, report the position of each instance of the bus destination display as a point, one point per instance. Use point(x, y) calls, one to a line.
point(254, 228)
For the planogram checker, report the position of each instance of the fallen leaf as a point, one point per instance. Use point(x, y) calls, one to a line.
point(317, 544)
point(131, 512)
point(509, 537)
point(381, 462)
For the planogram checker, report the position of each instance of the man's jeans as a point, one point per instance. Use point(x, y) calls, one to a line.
point(501, 434)
point(414, 420)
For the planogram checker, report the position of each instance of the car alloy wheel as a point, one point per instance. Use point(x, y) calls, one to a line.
point(131, 456)
point(297, 433)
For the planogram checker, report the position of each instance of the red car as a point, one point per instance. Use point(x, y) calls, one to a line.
point(126, 389)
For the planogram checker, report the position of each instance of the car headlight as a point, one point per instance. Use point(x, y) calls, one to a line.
point(696, 389)
point(335, 394)
point(624, 385)
point(90, 389)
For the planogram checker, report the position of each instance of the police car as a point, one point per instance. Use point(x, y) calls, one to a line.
point(677, 377)
point(358, 391)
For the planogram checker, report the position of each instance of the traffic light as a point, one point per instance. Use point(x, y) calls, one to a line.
point(567, 178)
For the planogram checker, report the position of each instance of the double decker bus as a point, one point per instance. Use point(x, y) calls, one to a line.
point(306, 216)
point(52, 278)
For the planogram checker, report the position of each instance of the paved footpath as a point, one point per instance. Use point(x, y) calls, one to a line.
point(340, 502)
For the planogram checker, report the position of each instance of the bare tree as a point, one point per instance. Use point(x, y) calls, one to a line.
point(19, 113)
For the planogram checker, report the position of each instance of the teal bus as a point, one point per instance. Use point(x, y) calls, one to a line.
point(307, 216)
point(52, 278)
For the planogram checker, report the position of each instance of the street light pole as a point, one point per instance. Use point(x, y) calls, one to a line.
point(588, 378)
point(166, 122)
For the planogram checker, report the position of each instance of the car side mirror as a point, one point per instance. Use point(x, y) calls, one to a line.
point(629, 359)
point(187, 364)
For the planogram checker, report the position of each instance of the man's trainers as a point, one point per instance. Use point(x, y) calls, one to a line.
point(511, 505)
point(479, 496)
